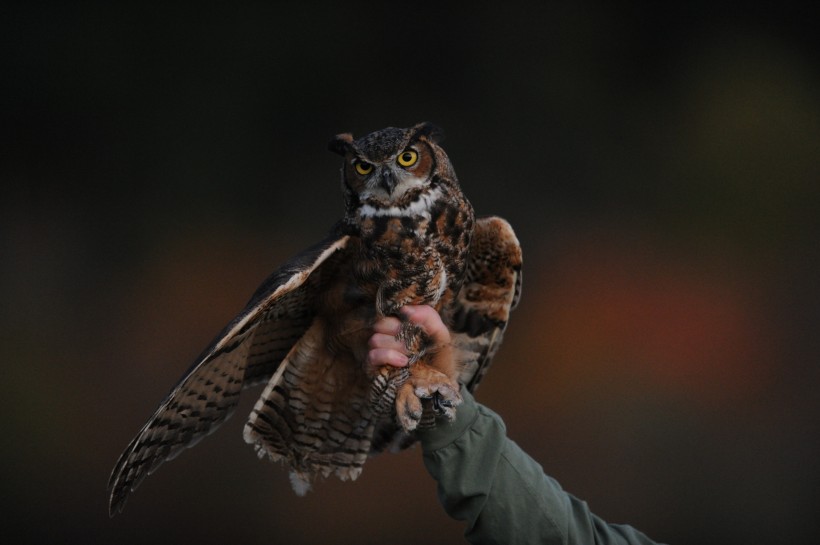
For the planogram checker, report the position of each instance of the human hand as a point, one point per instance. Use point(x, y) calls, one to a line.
point(386, 350)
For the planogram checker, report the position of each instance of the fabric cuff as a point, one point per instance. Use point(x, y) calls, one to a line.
point(445, 431)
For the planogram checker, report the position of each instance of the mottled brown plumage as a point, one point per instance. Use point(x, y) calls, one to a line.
point(408, 237)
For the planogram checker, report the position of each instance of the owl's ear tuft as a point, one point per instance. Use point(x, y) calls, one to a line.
point(341, 143)
point(431, 131)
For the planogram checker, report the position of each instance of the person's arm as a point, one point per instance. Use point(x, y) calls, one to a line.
point(484, 478)
point(502, 494)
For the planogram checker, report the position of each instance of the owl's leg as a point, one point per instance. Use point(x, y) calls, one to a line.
point(432, 376)
point(415, 340)
point(384, 388)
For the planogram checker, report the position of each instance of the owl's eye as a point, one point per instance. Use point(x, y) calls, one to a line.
point(408, 158)
point(363, 168)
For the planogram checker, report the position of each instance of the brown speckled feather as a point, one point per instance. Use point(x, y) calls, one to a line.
point(408, 236)
point(314, 415)
point(491, 289)
point(247, 351)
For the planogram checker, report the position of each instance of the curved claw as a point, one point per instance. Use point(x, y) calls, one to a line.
point(440, 405)
point(445, 404)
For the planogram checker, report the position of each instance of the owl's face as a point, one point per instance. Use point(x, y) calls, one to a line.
point(387, 168)
point(389, 179)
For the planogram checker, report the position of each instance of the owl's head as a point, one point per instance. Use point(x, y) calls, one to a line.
point(391, 167)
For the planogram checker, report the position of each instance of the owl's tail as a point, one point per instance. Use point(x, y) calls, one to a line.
point(314, 414)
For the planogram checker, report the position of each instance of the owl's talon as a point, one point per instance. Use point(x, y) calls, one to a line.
point(442, 393)
point(408, 408)
point(440, 405)
point(445, 407)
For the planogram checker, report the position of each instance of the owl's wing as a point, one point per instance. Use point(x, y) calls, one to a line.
point(491, 289)
point(246, 352)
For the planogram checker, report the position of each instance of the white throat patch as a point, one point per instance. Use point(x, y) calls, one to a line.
point(419, 207)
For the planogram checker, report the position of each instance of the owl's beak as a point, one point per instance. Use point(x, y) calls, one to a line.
point(388, 181)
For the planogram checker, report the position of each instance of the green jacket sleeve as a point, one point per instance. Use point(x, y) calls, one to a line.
point(503, 495)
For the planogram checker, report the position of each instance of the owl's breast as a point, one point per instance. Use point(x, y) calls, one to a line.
point(382, 233)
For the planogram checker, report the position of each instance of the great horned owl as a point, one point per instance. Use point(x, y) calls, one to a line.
point(408, 236)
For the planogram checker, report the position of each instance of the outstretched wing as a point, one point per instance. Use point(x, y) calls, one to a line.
point(246, 352)
point(491, 289)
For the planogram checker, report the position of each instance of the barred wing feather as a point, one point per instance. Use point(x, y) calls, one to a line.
point(247, 352)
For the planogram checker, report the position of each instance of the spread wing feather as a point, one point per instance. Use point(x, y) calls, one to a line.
point(247, 351)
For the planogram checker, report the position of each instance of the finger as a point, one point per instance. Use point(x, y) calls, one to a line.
point(384, 356)
point(389, 342)
point(429, 320)
point(387, 326)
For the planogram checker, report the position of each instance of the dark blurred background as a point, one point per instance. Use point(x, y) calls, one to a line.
point(659, 165)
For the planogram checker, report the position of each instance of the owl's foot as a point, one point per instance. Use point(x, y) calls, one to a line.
point(426, 383)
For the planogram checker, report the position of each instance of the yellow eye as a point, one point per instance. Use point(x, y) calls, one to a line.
point(363, 168)
point(408, 158)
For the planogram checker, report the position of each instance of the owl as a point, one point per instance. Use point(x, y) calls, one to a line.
point(408, 237)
